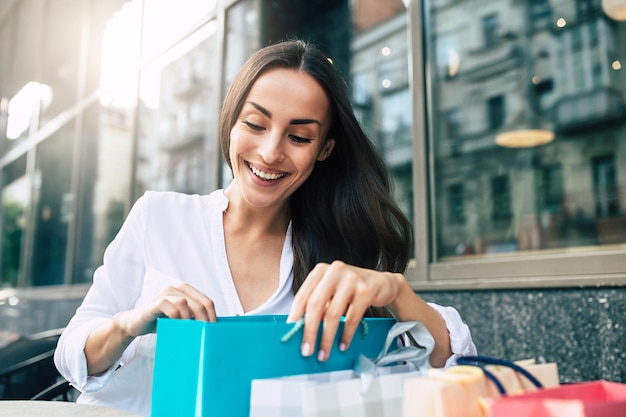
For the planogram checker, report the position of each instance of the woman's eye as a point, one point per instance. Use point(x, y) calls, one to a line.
point(299, 139)
point(252, 125)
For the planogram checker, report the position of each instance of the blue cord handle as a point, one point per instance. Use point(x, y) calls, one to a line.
point(476, 360)
point(495, 381)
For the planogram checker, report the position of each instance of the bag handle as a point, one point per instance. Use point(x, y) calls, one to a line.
point(300, 324)
point(477, 360)
point(367, 369)
point(417, 355)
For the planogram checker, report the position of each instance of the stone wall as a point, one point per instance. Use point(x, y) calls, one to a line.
point(583, 330)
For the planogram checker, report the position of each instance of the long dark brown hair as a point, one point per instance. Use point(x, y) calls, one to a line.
point(344, 210)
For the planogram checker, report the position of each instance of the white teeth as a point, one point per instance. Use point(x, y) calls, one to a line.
point(265, 175)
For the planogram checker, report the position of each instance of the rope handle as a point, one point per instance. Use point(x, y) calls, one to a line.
point(477, 360)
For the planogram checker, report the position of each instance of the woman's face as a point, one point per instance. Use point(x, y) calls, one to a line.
point(279, 135)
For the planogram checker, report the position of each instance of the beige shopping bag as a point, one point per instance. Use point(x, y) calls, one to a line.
point(515, 383)
point(454, 392)
point(468, 390)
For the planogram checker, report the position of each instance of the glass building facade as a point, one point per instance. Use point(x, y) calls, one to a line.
point(102, 100)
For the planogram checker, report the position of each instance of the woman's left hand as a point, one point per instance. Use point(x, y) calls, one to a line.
point(331, 291)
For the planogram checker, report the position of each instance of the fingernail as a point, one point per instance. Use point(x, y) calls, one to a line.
point(306, 349)
point(321, 356)
point(342, 346)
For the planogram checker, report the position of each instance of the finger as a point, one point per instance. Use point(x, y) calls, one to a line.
point(332, 318)
point(300, 300)
point(350, 300)
point(201, 306)
point(173, 303)
point(315, 302)
point(323, 297)
point(352, 320)
point(309, 333)
point(175, 307)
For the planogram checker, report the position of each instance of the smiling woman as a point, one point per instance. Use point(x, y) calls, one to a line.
point(307, 228)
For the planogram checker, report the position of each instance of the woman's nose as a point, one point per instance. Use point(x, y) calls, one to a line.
point(271, 150)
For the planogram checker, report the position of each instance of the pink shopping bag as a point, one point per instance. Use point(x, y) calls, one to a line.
point(585, 399)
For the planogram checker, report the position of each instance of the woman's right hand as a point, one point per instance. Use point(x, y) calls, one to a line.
point(106, 344)
point(180, 302)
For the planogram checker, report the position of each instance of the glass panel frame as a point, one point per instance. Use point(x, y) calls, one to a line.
point(579, 267)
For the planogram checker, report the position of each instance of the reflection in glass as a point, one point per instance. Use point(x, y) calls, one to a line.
point(241, 42)
point(165, 22)
point(104, 185)
point(178, 117)
point(104, 173)
point(380, 88)
point(60, 63)
point(51, 68)
point(526, 65)
point(119, 60)
point(53, 208)
point(18, 30)
point(15, 200)
point(24, 108)
point(241, 39)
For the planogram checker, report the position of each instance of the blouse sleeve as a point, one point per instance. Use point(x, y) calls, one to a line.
point(116, 287)
point(460, 337)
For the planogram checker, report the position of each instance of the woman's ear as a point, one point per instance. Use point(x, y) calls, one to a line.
point(328, 149)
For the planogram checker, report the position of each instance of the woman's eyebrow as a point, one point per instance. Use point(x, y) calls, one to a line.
point(268, 114)
point(260, 108)
point(304, 121)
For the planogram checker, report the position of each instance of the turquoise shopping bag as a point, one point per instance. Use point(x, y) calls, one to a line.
point(206, 369)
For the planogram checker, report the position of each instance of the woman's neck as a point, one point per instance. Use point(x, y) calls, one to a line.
point(242, 218)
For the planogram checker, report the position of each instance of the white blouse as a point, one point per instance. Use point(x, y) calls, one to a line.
point(169, 238)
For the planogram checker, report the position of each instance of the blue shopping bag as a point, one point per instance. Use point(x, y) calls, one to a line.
point(206, 369)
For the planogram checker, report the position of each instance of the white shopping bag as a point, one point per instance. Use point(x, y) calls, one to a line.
point(331, 394)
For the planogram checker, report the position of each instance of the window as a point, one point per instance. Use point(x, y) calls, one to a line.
point(453, 120)
point(501, 197)
point(491, 26)
point(597, 70)
point(594, 36)
point(495, 112)
point(456, 211)
point(552, 214)
point(447, 56)
point(541, 13)
point(605, 186)
point(432, 85)
point(577, 39)
point(551, 188)
point(583, 8)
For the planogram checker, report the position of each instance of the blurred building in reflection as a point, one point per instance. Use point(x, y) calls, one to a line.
point(538, 65)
